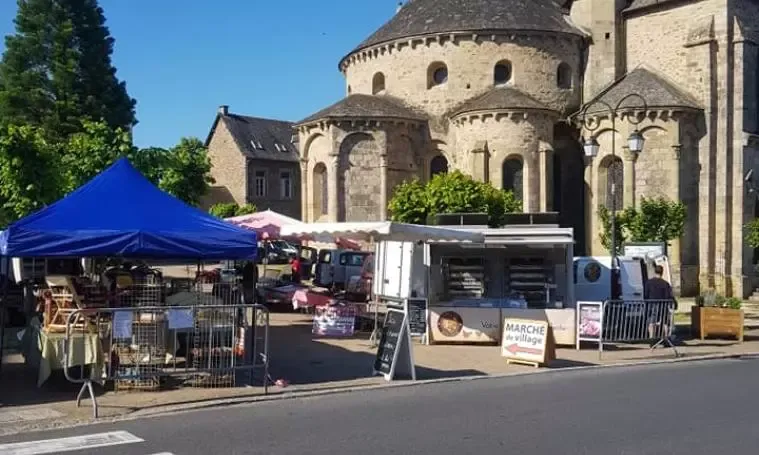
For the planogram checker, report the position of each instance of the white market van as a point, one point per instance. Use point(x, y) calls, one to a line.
point(593, 280)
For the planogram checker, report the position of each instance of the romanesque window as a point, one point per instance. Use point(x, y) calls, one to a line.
point(564, 76)
point(320, 191)
point(612, 173)
point(502, 72)
point(378, 83)
point(438, 165)
point(437, 74)
point(512, 174)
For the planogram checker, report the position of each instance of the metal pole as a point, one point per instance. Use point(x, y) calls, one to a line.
point(614, 271)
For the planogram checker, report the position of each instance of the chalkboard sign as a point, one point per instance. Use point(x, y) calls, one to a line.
point(392, 333)
point(417, 316)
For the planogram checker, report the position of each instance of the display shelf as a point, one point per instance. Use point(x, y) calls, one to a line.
point(464, 278)
point(533, 278)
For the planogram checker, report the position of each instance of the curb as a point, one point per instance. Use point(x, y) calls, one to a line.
point(165, 410)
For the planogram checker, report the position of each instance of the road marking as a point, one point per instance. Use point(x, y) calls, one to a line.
point(90, 441)
point(162, 453)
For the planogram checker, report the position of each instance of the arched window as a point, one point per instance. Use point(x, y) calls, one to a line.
point(437, 74)
point(350, 90)
point(502, 72)
point(320, 191)
point(564, 76)
point(438, 165)
point(512, 174)
point(378, 83)
point(612, 179)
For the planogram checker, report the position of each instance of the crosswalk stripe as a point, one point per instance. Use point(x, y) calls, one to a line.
point(90, 441)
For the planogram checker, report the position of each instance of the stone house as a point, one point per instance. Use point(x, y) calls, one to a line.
point(489, 87)
point(254, 161)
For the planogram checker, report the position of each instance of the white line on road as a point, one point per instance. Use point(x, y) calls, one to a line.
point(90, 441)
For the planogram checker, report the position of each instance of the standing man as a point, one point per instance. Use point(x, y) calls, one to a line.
point(659, 315)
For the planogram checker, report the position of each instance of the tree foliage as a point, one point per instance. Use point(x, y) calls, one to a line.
point(28, 177)
point(56, 69)
point(230, 209)
point(752, 233)
point(187, 172)
point(89, 152)
point(453, 192)
point(654, 220)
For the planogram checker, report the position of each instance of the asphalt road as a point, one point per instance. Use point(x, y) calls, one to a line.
point(688, 408)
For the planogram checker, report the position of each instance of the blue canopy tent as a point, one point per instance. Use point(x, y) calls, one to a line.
point(121, 213)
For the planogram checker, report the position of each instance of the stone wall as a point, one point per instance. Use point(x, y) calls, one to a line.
point(470, 61)
point(227, 166)
point(275, 199)
point(358, 178)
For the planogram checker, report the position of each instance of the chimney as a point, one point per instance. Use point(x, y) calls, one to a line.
point(400, 5)
point(223, 109)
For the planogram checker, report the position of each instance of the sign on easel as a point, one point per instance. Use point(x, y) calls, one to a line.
point(527, 342)
point(417, 316)
point(394, 352)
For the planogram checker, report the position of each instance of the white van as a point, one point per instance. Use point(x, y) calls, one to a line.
point(593, 280)
point(335, 267)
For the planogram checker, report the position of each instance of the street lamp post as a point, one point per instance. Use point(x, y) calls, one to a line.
point(590, 122)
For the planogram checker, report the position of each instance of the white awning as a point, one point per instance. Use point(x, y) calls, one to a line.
point(382, 230)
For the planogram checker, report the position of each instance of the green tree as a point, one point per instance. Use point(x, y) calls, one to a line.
point(224, 210)
point(56, 70)
point(656, 220)
point(604, 215)
point(409, 203)
point(230, 209)
point(187, 173)
point(89, 152)
point(752, 233)
point(28, 177)
point(452, 192)
point(151, 161)
point(246, 209)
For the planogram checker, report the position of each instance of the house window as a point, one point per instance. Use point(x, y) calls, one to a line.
point(285, 185)
point(260, 184)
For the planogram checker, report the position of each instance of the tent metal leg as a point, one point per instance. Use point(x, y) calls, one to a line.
point(3, 306)
point(87, 386)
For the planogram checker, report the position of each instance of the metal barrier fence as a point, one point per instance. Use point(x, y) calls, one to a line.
point(153, 347)
point(631, 321)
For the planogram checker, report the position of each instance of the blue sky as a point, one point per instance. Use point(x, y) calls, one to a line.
point(181, 59)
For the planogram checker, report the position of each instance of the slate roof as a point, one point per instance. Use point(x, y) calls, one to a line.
point(500, 98)
point(657, 91)
point(250, 132)
point(422, 17)
point(360, 105)
point(643, 4)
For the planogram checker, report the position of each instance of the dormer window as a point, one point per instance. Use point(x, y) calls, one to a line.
point(255, 143)
point(280, 147)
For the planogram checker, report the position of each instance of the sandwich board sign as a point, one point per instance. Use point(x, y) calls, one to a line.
point(527, 342)
point(394, 352)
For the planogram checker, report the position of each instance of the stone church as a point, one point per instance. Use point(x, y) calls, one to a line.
point(489, 87)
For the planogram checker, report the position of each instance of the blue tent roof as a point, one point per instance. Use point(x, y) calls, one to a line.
point(121, 213)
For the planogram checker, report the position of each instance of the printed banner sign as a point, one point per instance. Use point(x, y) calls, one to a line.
point(525, 340)
point(334, 321)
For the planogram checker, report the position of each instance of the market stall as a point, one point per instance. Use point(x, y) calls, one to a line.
point(522, 271)
point(388, 240)
point(118, 214)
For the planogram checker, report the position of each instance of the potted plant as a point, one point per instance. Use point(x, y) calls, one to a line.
point(716, 315)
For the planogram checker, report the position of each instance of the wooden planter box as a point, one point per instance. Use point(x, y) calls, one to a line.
point(708, 321)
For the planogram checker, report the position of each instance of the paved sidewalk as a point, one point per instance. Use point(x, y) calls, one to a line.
point(310, 366)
